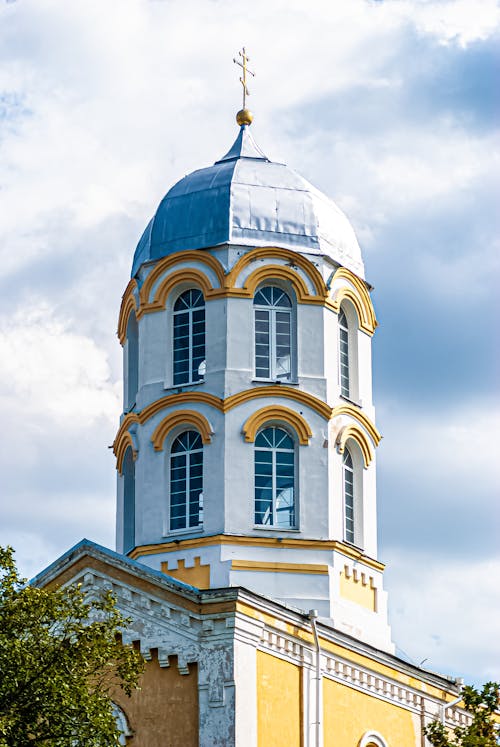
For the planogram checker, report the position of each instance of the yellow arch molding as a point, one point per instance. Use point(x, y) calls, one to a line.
point(279, 390)
point(185, 275)
point(121, 447)
point(173, 259)
point(285, 254)
point(359, 297)
point(172, 400)
point(128, 305)
point(268, 272)
point(355, 433)
point(268, 414)
point(181, 417)
point(353, 412)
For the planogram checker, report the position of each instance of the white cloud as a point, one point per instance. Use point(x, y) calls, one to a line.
point(451, 453)
point(447, 613)
point(48, 370)
point(111, 103)
point(459, 21)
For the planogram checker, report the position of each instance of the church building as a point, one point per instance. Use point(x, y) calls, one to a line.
point(246, 462)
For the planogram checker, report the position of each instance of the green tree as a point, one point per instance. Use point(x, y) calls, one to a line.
point(61, 659)
point(482, 705)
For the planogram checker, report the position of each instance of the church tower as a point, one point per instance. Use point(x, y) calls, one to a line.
point(246, 449)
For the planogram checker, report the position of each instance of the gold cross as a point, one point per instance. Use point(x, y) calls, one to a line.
point(243, 80)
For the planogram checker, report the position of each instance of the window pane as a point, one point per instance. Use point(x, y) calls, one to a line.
point(186, 481)
point(274, 478)
point(189, 336)
point(262, 343)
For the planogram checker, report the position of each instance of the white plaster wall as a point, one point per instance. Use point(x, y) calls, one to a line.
point(152, 479)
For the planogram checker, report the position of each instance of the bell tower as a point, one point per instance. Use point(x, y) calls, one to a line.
point(246, 449)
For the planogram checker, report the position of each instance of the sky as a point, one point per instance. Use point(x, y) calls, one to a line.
point(389, 107)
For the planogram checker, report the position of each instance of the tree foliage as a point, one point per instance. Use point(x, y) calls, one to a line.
point(482, 730)
point(61, 658)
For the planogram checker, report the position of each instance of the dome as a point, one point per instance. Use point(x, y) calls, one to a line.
point(246, 199)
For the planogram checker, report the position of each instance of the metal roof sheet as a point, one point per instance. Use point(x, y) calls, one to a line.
point(245, 198)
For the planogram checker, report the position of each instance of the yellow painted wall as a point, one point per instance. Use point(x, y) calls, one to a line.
point(197, 575)
point(279, 707)
point(349, 714)
point(353, 589)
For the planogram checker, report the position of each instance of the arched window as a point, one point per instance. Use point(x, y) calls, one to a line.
point(186, 481)
point(275, 478)
point(372, 739)
point(121, 723)
point(345, 388)
point(189, 337)
point(131, 366)
point(128, 500)
point(348, 482)
point(273, 334)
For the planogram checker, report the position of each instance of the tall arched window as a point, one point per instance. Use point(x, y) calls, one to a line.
point(275, 478)
point(273, 334)
point(189, 337)
point(122, 723)
point(132, 361)
point(345, 388)
point(186, 481)
point(348, 481)
point(128, 500)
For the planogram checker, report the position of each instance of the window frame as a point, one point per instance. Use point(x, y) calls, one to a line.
point(344, 329)
point(372, 738)
point(190, 312)
point(129, 501)
point(131, 363)
point(272, 310)
point(274, 450)
point(174, 436)
point(348, 469)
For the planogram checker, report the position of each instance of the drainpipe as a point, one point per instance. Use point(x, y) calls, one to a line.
point(313, 616)
point(445, 707)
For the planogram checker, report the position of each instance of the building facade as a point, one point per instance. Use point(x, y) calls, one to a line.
point(246, 501)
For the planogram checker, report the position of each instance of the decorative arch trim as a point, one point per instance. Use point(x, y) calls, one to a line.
point(281, 272)
point(181, 417)
point(172, 400)
point(372, 739)
point(174, 259)
point(362, 419)
point(357, 434)
point(297, 395)
point(287, 255)
point(128, 305)
point(120, 447)
point(268, 414)
point(357, 295)
point(185, 275)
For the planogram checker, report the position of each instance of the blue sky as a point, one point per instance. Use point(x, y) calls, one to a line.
point(390, 108)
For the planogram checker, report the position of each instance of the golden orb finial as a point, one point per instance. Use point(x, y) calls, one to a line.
point(244, 117)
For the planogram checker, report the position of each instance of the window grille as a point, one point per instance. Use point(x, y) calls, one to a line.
point(273, 334)
point(344, 354)
point(275, 478)
point(189, 337)
point(186, 481)
point(348, 479)
point(128, 501)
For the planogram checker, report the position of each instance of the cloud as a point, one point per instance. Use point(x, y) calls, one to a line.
point(52, 372)
point(386, 106)
point(438, 479)
point(445, 614)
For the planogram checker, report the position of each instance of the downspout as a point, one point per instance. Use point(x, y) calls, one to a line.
point(313, 616)
point(445, 707)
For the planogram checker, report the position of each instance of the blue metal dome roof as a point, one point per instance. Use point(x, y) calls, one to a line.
point(247, 199)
